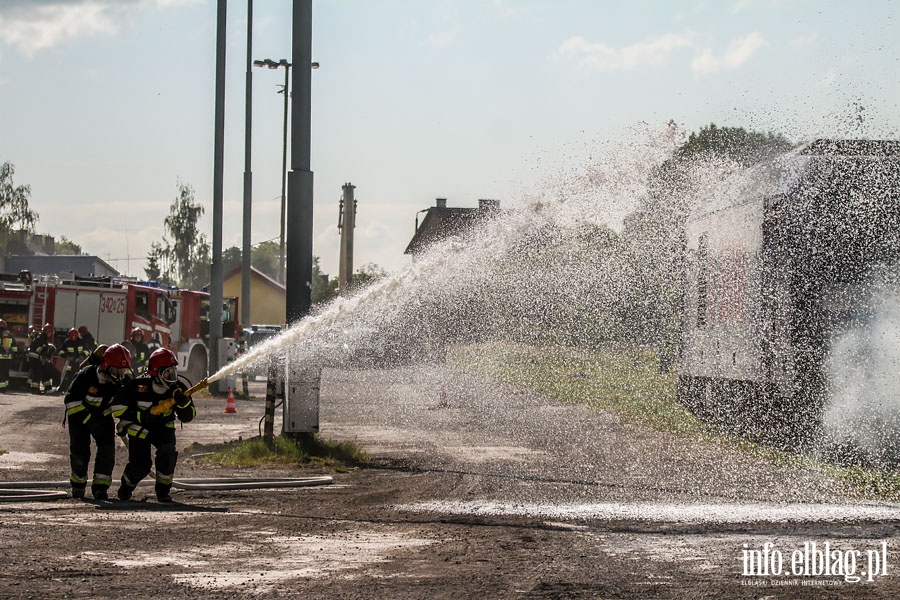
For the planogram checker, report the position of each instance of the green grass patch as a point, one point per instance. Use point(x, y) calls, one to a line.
point(306, 451)
point(627, 382)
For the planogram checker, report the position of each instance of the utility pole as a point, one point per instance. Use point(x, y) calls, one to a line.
point(300, 181)
point(248, 176)
point(346, 224)
point(287, 97)
point(215, 277)
point(301, 387)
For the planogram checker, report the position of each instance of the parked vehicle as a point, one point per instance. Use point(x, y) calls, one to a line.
point(779, 261)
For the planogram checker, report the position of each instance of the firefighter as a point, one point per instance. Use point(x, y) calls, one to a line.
point(72, 352)
point(140, 352)
point(147, 408)
point(89, 413)
point(50, 375)
point(36, 352)
point(87, 340)
point(8, 351)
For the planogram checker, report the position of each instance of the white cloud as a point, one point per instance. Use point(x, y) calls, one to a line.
point(738, 53)
point(593, 56)
point(47, 25)
point(34, 25)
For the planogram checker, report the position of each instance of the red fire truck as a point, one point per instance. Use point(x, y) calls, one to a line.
point(111, 309)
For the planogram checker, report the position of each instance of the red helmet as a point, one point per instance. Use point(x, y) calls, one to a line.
point(116, 362)
point(137, 331)
point(116, 355)
point(3, 324)
point(48, 329)
point(73, 334)
point(83, 330)
point(163, 364)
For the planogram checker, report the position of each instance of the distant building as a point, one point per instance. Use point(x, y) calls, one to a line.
point(267, 296)
point(66, 266)
point(441, 222)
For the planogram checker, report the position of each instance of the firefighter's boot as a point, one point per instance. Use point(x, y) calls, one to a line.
point(124, 492)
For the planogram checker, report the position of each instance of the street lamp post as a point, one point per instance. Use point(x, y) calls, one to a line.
point(287, 69)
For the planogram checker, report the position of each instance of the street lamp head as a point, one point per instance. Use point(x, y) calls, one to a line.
point(314, 65)
point(270, 63)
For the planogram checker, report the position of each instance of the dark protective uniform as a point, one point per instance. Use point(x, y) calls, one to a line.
point(9, 351)
point(37, 374)
point(147, 411)
point(72, 353)
point(140, 352)
point(89, 414)
point(87, 340)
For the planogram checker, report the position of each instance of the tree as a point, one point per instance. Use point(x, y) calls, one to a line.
point(65, 246)
point(324, 289)
point(186, 258)
point(15, 214)
point(264, 258)
point(367, 274)
point(189, 247)
point(231, 259)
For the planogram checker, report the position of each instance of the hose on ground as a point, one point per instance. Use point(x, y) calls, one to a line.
point(22, 491)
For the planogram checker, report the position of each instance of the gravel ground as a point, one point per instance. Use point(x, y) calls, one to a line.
point(475, 489)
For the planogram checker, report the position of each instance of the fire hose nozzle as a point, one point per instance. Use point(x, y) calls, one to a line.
point(199, 386)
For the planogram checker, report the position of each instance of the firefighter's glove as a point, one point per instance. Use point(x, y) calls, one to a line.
point(162, 407)
point(181, 399)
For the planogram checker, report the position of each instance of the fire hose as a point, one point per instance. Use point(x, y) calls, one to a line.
point(29, 491)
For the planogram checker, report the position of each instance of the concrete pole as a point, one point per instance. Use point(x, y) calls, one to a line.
point(287, 96)
point(300, 181)
point(248, 177)
point(347, 225)
point(215, 277)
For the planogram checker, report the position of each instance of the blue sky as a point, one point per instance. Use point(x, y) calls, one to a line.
point(106, 105)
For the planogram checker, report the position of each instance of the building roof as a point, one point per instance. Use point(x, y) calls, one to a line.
point(58, 264)
point(441, 222)
point(254, 272)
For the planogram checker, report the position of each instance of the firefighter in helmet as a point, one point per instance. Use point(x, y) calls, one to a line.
point(147, 408)
point(38, 374)
point(140, 352)
point(89, 414)
point(8, 351)
point(87, 340)
point(72, 353)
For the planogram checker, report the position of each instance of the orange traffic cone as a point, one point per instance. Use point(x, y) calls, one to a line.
point(229, 407)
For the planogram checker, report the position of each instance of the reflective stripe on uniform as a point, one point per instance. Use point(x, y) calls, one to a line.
point(94, 400)
point(74, 407)
point(102, 479)
point(165, 479)
point(75, 478)
point(135, 430)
